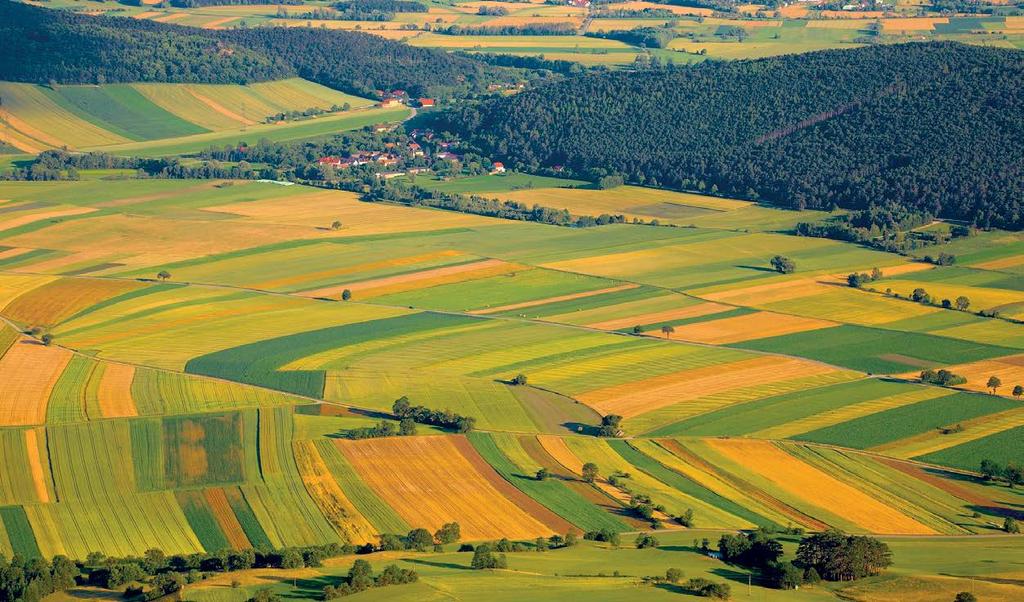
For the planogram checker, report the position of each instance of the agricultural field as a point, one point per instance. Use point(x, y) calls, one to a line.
point(164, 119)
point(223, 395)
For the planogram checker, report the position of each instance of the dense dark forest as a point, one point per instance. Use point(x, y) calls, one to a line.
point(40, 45)
point(933, 127)
point(201, 3)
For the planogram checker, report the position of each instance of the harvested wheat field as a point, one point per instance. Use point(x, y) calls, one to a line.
point(28, 371)
point(320, 209)
point(429, 481)
point(54, 302)
point(115, 391)
point(35, 444)
point(758, 325)
point(638, 397)
point(329, 497)
point(817, 487)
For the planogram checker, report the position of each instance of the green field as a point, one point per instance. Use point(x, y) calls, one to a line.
point(184, 414)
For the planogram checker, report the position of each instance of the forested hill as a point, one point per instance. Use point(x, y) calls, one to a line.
point(936, 127)
point(42, 45)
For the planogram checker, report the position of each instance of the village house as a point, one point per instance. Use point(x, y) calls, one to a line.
point(389, 103)
point(497, 167)
point(426, 102)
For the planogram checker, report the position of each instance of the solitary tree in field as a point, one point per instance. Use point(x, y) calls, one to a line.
point(336, 225)
point(47, 339)
point(520, 379)
point(1010, 525)
point(589, 472)
point(994, 383)
point(962, 303)
point(542, 474)
point(163, 275)
point(965, 597)
point(1018, 391)
point(346, 295)
point(783, 264)
point(667, 330)
point(638, 329)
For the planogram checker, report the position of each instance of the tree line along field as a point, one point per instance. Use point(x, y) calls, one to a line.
point(752, 31)
point(198, 394)
point(131, 117)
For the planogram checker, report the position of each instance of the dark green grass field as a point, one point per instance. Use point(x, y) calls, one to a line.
point(744, 418)
point(1004, 447)
point(876, 350)
point(257, 363)
point(899, 423)
point(201, 519)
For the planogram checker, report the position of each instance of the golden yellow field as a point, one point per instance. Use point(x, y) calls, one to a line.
point(28, 372)
point(1009, 302)
point(638, 397)
point(33, 438)
point(757, 325)
point(53, 302)
point(327, 494)
point(1002, 263)
point(14, 285)
point(1009, 370)
point(318, 210)
point(429, 482)
point(911, 24)
point(817, 487)
point(115, 391)
point(16, 219)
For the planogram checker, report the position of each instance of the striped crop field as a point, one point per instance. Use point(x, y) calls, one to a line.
point(79, 117)
point(328, 495)
point(817, 487)
point(433, 480)
point(52, 303)
point(29, 370)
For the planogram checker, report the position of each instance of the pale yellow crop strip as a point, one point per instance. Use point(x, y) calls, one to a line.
point(933, 441)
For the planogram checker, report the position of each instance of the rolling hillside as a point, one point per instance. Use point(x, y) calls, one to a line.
point(834, 128)
point(94, 117)
point(242, 357)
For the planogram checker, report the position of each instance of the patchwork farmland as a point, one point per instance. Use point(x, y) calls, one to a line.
point(222, 394)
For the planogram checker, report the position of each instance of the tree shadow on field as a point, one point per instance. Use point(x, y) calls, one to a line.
point(375, 414)
point(756, 268)
point(440, 565)
point(732, 575)
point(307, 588)
point(581, 428)
point(999, 511)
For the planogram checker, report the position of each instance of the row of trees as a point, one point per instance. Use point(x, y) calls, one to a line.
point(774, 130)
point(404, 410)
point(35, 43)
point(831, 555)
